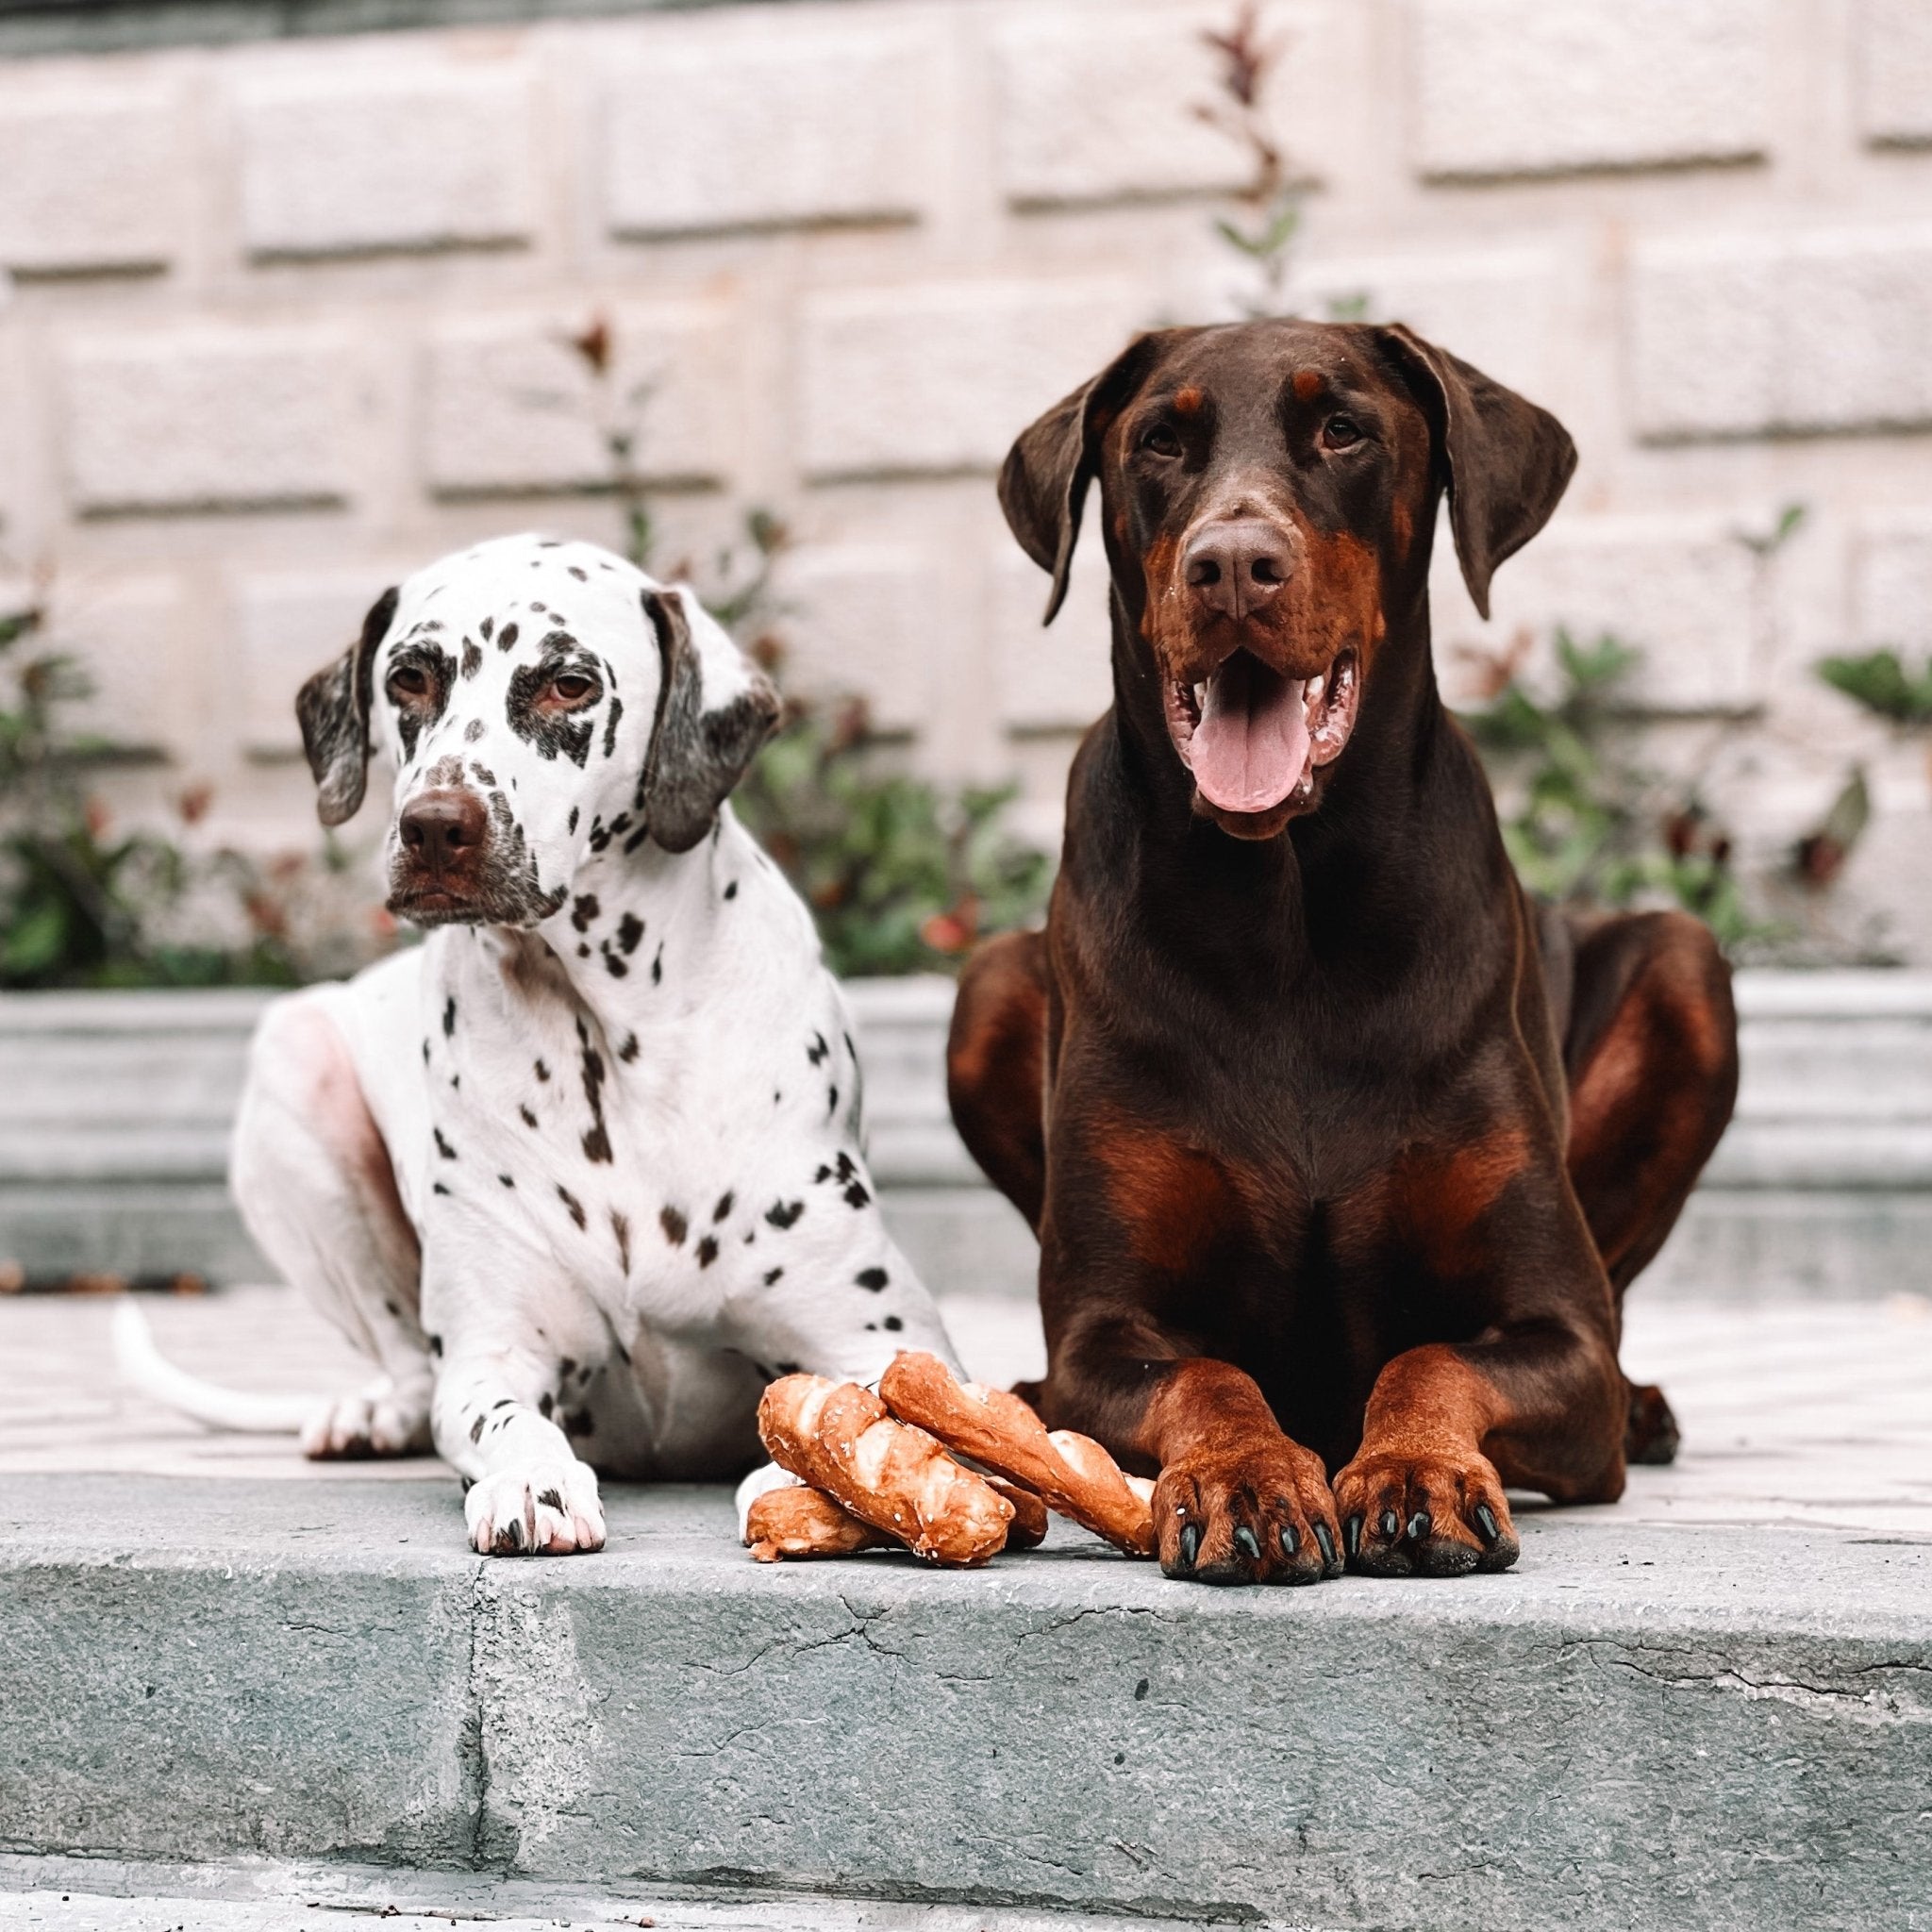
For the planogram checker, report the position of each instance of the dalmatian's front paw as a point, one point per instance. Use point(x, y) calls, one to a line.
point(550, 1511)
point(379, 1420)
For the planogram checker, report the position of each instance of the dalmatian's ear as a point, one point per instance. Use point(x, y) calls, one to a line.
point(715, 707)
point(333, 710)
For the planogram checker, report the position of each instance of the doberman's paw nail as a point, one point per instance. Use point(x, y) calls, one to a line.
point(1191, 1546)
point(1326, 1536)
point(1391, 1523)
point(1486, 1522)
point(1419, 1525)
point(1291, 1540)
point(1352, 1534)
point(1247, 1539)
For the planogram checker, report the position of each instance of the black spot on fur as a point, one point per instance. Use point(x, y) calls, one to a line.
point(818, 1049)
point(731, 890)
point(584, 950)
point(443, 1146)
point(546, 1404)
point(573, 815)
point(630, 929)
point(570, 1201)
point(628, 1051)
point(425, 1053)
point(722, 1208)
point(637, 839)
point(507, 1180)
point(549, 1498)
point(529, 1119)
point(488, 626)
point(610, 722)
point(449, 1017)
point(783, 1213)
point(657, 965)
point(596, 1142)
point(584, 909)
point(825, 1174)
point(476, 1430)
point(620, 1226)
point(771, 1274)
point(582, 577)
point(675, 1225)
point(893, 1322)
point(507, 637)
point(874, 1278)
point(706, 1252)
point(436, 1344)
point(541, 1072)
point(474, 730)
point(438, 1188)
point(612, 964)
point(831, 1102)
point(473, 658)
point(855, 1195)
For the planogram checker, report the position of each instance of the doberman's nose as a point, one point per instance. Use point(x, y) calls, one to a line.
point(1238, 564)
point(442, 829)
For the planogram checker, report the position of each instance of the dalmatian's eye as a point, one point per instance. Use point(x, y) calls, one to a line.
point(406, 682)
point(571, 687)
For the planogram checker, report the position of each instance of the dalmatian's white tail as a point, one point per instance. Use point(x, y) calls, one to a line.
point(144, 1369)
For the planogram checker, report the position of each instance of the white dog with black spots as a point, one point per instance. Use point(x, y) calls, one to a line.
point(584, 1168)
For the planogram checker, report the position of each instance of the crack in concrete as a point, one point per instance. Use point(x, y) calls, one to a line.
point(1877, 1708)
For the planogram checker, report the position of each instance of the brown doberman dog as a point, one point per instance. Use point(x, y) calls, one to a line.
point(1341, 1151)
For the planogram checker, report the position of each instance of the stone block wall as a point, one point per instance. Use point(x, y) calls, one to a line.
point(288, 319)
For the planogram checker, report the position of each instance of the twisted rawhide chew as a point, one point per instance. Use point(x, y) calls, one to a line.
point(1069, 1472)
point(799, 1521)
point(837, 1438)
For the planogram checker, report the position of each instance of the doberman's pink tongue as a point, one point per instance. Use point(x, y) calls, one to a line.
point(1251, 743)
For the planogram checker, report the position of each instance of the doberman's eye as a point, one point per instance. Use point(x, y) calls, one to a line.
point(1160, 441)
point(1341, 432)
point(408, 682)
point(571, 686)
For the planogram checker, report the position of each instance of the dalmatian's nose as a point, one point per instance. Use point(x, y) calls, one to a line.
point(442, 829)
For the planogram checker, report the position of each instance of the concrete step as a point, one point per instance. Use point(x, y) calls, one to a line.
point(114, 1147)
point(1640, 1728)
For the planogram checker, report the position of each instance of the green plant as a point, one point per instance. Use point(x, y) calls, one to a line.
point(83, 906)
point(1880, 681)
point(1270, 203)
point(1584, 824)
point(901, 877)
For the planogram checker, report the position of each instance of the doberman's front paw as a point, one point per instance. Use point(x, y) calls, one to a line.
point(1422, 1514)
point(1260, 1513)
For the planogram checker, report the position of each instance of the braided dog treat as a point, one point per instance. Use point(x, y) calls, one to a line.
point(839, 1438)
point(1069, 1472)
point(1027, 1530)
point(799, 1521)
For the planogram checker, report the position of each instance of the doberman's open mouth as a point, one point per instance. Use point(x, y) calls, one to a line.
point(1254, 738)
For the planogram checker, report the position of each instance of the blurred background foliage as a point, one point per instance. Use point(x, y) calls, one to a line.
point(903, 873)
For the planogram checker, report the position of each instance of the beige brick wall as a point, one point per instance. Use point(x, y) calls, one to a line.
point(288, 319)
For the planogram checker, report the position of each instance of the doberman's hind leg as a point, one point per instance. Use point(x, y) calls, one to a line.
point(995, 1066)
point(1651, 1055)
point(312, 1177)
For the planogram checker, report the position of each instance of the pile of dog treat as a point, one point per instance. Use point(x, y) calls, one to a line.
point(891, 1470)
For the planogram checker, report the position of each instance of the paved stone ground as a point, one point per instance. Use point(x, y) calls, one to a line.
point(1806, 1415)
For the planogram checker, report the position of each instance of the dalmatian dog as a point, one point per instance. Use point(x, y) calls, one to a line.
point(584, 1169)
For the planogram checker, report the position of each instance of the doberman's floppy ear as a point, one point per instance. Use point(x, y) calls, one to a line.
point(1507, 462)
point(715, 707)
point(1043, 481)
point(333, 710)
